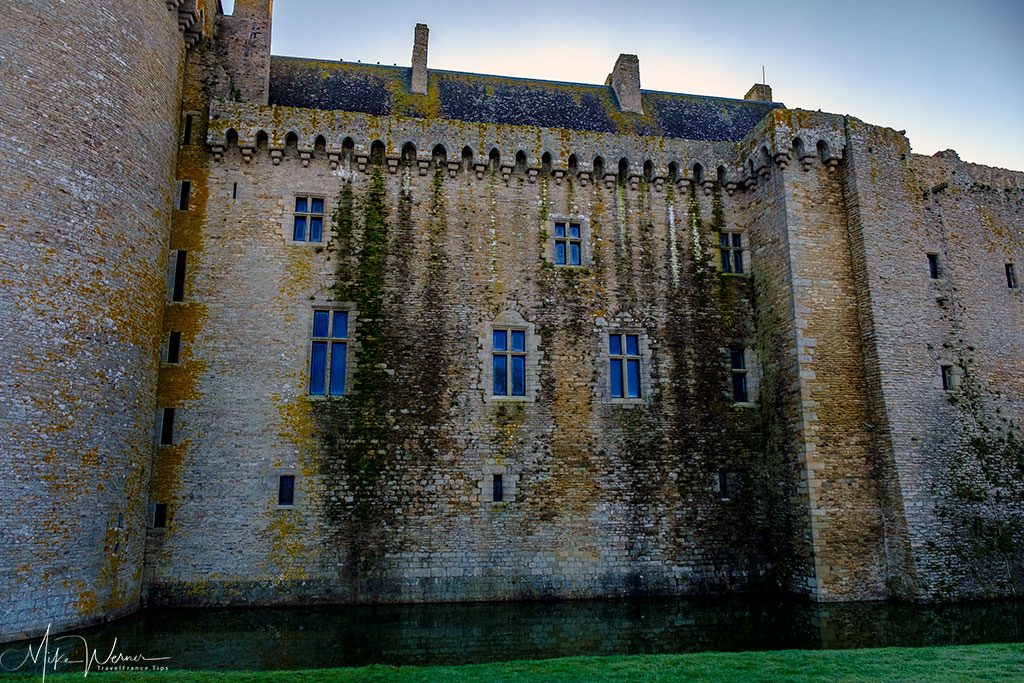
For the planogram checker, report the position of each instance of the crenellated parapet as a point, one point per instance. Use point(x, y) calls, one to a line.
point(338, 137)
point(190, 19)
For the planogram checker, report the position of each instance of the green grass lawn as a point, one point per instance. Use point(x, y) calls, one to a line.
point(1002, 662)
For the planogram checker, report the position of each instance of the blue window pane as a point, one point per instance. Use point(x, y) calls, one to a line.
point(736, 240)
point(500, 340)
point(500, 367)
point(519, 375)
point(338, 359)
point(616, 377)
point(318, 206)
point(318, 368)
point(739, 388)
point(320, 320)
point(723, 239)
point(316, 229)
point(340, 330)
point(615, 344)
point(726, 264)
point(574, 253)
point(633, 378)
point(518, 340)
point(738, 258)
point(632, 345)
point(560, 253)
point(738, 362)
point(574, 231)
point(559, 229)
point(299, 232)
point(300, 205)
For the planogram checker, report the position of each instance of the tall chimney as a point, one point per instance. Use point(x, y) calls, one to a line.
point(625, 80)
point(759, 92)
point(419, 60)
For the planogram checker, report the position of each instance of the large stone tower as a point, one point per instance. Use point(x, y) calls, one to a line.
point(90, 122)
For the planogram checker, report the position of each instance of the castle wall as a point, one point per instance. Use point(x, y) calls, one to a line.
point(90, 123)
point(392, 480)
point(957, 453)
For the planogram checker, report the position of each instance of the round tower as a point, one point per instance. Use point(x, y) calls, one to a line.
point(89, 114)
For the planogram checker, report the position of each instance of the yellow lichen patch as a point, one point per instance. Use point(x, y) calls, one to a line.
point(87, 603)
point(290, 557)
point(166, 481)
point(296, 427)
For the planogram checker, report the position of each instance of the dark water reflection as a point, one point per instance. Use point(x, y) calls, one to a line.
point(313, 637)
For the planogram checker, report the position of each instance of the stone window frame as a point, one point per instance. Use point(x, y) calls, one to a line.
point(509, 484)
point(586, 246)
point(276, 487)
point(733, 481)
point(152, 527)
point(646, 380)
point(753, 373)
point(509, 318)
point(744, 251)
point(1012, 281)
point(288, 218)
point(951, 382)
point(180, 186)
point(166, 345)
point(320, 303)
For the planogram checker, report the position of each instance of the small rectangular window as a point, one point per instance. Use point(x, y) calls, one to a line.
point(730, 247)
point(738, 362)
point(497, 489)
point(178, 290)
point(568, 244)
point(329, 353)
point(160, 516)
point(173, 346)
point(286, 489)
point(948, 378)
point(186, 135)
point(183, 195)
point(933, 266)
point(508, 362)
point(234, 191)
point(167, 427)
point(1011, 276)
point(308, 220)
point(723, 485)
point(624, 365)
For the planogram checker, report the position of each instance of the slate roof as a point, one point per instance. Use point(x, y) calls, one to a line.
point(384, 90)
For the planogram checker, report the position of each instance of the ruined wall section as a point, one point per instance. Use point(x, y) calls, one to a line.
point(90, 123)
point(956, 451)
point(426, 251)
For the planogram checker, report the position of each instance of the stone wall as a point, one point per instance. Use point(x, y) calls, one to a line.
point(392, 479)
point(86, 158)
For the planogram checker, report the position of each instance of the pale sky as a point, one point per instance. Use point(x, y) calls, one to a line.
point(950, 73)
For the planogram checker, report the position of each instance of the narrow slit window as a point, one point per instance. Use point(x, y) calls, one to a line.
point(173, 347)
point(234, 190)
point(187, 133)
point(178, 290)
point(328, 358)
point(160, 516)
point(730, 246)
point(948, 378)
point(497, 489)
point(308, 223)
point(183, 195)
point(286, 489)
point(738, 362)
point(624, 365)
point(167, 427)
point(933, 266)
point(568, 244)
point(508, 362)
point(1011, 276)
point(723, 485)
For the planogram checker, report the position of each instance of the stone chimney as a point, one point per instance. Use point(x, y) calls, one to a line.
point(759, 92)
point(625, 80)
point(419, 60)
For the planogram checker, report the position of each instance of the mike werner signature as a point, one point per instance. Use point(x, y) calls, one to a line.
point(59, 656)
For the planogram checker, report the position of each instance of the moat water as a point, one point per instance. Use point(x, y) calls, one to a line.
point(268, 638)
